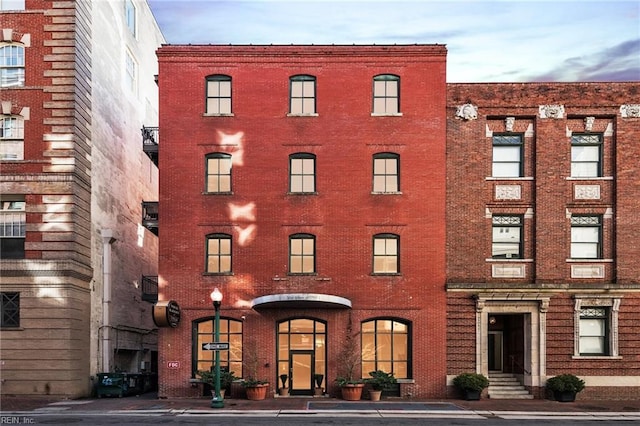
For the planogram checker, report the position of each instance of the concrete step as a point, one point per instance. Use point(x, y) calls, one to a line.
point(510, 396)
point(507, 388)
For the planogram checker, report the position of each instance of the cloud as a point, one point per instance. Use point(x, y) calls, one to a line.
point(617, 63)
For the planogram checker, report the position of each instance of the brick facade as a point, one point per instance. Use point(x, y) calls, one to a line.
point(546, 276)
point(343, 214)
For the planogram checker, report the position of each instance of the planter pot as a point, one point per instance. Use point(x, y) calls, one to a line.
point(564, 396)
point(318, 391)
point(352, 392)
point(374, 395)
point(222, 391)
point(257, 393)
point(472, 395)
point(283, 391)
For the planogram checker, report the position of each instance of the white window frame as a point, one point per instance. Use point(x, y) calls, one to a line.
point(131, 72)
point(12, 65)
point(11, 138)
point(12, 5)
point(131, 16)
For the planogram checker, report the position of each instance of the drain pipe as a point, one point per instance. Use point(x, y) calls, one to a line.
point(107, 240)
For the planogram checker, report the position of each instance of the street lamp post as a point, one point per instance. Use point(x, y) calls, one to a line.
point(216, 298)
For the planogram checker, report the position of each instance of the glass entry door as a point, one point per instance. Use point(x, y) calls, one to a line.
point(301, 375)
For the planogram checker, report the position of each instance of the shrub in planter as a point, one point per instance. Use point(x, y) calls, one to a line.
point(379, 380)
point(471, 384)
point(565, 387)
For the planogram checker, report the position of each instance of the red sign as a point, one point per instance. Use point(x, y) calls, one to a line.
point(173, 364)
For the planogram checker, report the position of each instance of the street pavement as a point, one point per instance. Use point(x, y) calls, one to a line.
point(326, 406)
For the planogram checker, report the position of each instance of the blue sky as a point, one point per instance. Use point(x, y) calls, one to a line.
point(487, 41)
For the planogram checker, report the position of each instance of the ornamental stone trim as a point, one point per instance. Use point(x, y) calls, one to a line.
point(508, 192)
point(467, 112)
point(586, 192)
point(630, 110)
point(551, 111)
point(588, 123)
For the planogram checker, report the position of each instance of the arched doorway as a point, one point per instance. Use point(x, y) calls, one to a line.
point(302, 353)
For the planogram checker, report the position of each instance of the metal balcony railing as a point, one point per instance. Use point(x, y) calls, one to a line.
point(150, 289)
point(150, 216)
point(150, 139)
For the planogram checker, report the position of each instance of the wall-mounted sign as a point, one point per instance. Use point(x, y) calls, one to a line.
point(173, 364)
point(166, 313)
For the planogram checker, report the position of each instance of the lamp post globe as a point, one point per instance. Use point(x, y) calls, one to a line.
point(216, 297)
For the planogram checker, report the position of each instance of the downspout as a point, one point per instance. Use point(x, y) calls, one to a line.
point(107, 240)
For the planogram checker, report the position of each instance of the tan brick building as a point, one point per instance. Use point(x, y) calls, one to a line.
point(77, 86)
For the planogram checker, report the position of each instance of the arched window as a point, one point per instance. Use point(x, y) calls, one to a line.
point(302, 254)
point(386, 173)
point(302, 95)
point(218, 173)
point(302, 173)
point(386, 346)
point(203, 333)
point(218, 94)
point(11, 65)
point(386, 94)
point(386, 254)
point(218, 254)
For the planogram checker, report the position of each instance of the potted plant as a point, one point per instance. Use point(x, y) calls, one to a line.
point(379, 380)
point(471, 385)
point(209, 377)
point(284, 390)
point(565, 387)
point(256, 388)
point(318, 378)
point(348, 361)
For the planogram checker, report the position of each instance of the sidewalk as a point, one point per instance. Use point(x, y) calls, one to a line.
point(149, 401)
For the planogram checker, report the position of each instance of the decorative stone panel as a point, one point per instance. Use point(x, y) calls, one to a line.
point(551, 111)
point(630, 111)
point(587, 271)
point(467, 112)
point(508, 271)
point(586, 192)
point(508, 192)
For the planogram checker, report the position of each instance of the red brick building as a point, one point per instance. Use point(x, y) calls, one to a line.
point(542, 234)
point(307, 183)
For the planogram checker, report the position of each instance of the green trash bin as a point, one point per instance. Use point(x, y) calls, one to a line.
point(112, 384)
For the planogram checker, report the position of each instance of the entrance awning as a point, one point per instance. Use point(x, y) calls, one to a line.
point(301, 300)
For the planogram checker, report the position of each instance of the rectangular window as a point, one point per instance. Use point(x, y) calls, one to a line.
point(594, 331)
point(11, 4)
point(302, 177)
point(219, 254)
point(302, 259)
point(386, 94)
point(131, 71)
point(507, 156)
point(11, 138)
point(586, 156)
point(218, 94)
point(507, 237)
point(303, 95)
point(586, 237)
point(12, 65)
point(130, 15)
point(385, 254)
point(218, 173)
point(10, 309)
point(12, 229)
point(386, 173)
